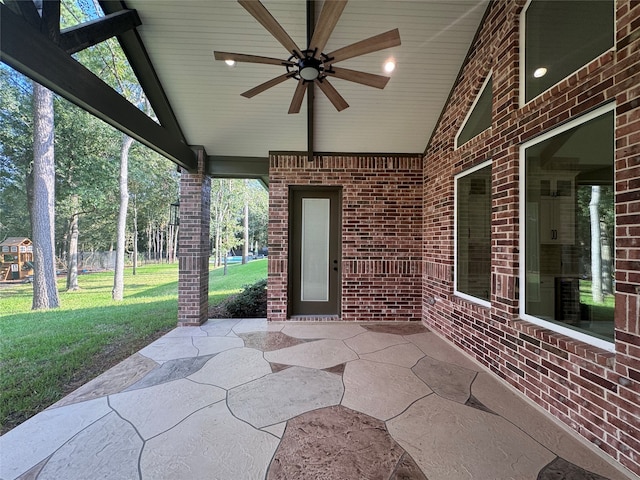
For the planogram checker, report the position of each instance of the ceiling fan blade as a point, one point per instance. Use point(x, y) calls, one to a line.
point(373, 44)
point(240, 57)
point(298, 95)
point(262, 15)
point(332, 94)
point(266, 85)
point(370, 79)
point(331, 11)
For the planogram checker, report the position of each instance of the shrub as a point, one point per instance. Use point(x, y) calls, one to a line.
point(250, 303)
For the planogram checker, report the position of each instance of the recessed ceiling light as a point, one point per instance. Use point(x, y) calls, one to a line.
point(540, 72)
point(390, 66)
point(230, 62)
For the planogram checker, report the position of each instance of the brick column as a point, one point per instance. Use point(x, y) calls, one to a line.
point(193, 238)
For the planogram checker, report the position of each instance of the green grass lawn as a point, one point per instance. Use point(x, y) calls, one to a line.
point(45, 355)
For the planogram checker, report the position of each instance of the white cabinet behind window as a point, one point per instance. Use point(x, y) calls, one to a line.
point(557, 211)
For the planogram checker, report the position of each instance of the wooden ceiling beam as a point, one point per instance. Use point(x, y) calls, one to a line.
point(27, 10)
point(25, 49)
point(85, 35)
point(145, 72)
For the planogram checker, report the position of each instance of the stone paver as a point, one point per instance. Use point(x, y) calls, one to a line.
point(156, 409)
point(373, 341)
point(268, 341)
point(379, 390)
point(33, 441)
point(450, 440)
point(171, 370)
point(211, 443)
point(529, 418)
point(437, 348)
point(107, 449)
point(211, 345)
point(232, 368)
point(256, 325)
point(283, 395)
point(319, 354)
point(335, 331)
point(170, 348)
point(405, 355)
point(114, 380)
point(219, 328)
point(445, 379)
point(346, 443)
point(243, 399)
point(186, 332)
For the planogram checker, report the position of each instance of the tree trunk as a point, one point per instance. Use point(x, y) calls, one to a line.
point(45, 290)
point(175, 242)
point(135, 235)
point(170, 243)
point(161, 231)
point(607, 262)
point(596, 258)
point(149, 249)
point(72, 254)
point(245, 245)
point(118, 278)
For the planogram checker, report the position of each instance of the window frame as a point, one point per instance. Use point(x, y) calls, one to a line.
point(555, 327)
point(523, 52)
point(456, 292)
point(473, 106)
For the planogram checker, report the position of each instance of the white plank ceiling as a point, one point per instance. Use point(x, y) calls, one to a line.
point(181, 35)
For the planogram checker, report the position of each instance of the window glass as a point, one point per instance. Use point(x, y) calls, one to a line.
point(473, 233)
point(569, 228)
point(480, 118)
point(561, 37)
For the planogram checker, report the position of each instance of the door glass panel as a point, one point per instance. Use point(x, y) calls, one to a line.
point(315, 250)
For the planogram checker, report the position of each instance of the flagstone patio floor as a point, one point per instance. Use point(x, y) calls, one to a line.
point(247, 399)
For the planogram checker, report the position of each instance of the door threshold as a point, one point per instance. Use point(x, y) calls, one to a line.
point(315, 318)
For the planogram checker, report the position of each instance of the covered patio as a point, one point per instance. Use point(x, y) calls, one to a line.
point(248, 399)
point(451, 209)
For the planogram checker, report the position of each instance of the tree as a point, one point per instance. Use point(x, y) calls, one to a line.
point(226, 208)
point(16, 152)
point(42, 208)
point(118, 278)
point(258, 215)
point(72, 258)
point(245, 229)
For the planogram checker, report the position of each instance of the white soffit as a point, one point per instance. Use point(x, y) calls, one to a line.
point(181, 36)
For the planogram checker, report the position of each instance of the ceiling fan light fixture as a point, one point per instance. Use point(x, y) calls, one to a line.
point(309, 73)
point(309, 68)
point(230, 62)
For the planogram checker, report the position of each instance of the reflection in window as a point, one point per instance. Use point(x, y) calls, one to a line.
point(479, 118)
point(569, 228)
point(473, 233)
point(561, 37)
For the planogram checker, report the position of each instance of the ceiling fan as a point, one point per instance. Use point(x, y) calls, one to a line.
point(312, 65)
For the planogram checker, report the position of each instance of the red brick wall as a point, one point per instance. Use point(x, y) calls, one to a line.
point(595, 392)
point(381, 231)
point(193, 244)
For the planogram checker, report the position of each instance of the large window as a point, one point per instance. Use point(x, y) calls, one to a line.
point(568, 267)
point(473, 234)
point(562, 36)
